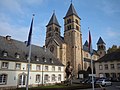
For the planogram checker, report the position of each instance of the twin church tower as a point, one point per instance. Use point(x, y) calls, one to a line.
point(69, 47)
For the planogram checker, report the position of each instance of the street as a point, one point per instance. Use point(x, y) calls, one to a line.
point(115, 86)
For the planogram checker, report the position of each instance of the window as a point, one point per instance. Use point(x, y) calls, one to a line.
point(76, 21)
point(51, 61)
point(112, 66)
point(69, 27)
point(30, 66)
point(118, 66)
point(44, 59)
point(49, 29)
point(26, 56)
point(107, 75)
point(38, 67)
point(46, 68)
point(56, 29)
point(59, 77)
point(4, 64)
point(3, 79)
point(53, 68)
point(46, 77)
point(59, 68)
point(68, 21)
point(4, 53)
point(100, 67)
point(53, 77)
point(106, 66)
point(18, 66)
point(113, 75)
point(36, 58)
point(77, 28)
point(17, 55)
point(38, 78)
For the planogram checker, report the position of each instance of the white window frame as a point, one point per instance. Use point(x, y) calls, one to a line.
point(59, 77)
point(5, 65)
point(38, 67)
point(3, 79)
point(38, 78)
point(53, 68)
point(18, 66)
point(59, 68)
point(46, 68)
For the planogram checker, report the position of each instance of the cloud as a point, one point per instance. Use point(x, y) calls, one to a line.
point(110, 7)
point(11, 6)
point(112, 32)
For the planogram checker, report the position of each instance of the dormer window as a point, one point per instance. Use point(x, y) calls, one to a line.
point(5, 53)
point(44, 60)
point(26, 56)
point(51, 61)
point(36, 58)
point(17, 55)
point(8, 37)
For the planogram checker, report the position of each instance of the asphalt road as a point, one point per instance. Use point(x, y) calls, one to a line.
point(115, 86)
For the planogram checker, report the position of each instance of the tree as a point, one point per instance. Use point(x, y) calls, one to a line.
point(114, 48)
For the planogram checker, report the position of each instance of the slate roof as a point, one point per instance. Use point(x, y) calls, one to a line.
point(71, 11)
point(114, 56)
point(13, 46)
point(100, 41)
point(53, 20)
point(86, 43)
point(85, 48)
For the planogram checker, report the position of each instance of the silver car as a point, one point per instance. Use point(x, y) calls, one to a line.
point(104, 82)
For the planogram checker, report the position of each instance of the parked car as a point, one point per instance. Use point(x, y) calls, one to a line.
point(104, 82)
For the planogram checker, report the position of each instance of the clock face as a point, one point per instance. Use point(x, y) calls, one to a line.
point(52, 49)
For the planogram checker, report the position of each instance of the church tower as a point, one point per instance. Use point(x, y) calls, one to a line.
point(101, 48)
point(73, 39)
point(52, 29)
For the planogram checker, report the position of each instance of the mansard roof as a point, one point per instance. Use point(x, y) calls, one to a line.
point(71, 11)
point(114, 56)
point(53, 20)
point(13, 46)
point(100, 41)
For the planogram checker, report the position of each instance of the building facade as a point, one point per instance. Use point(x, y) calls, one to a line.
point(44, 67)
point(109, 66)
point(69, 47)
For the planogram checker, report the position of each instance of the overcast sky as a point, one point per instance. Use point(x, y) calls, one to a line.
point(101, 16)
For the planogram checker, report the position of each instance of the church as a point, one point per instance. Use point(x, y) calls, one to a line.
point(70, 47)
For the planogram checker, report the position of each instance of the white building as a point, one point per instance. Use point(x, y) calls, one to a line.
point(44, 68)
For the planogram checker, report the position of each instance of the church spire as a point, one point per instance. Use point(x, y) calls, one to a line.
point(53, 20)
point(71, 11)
point(100, 41)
